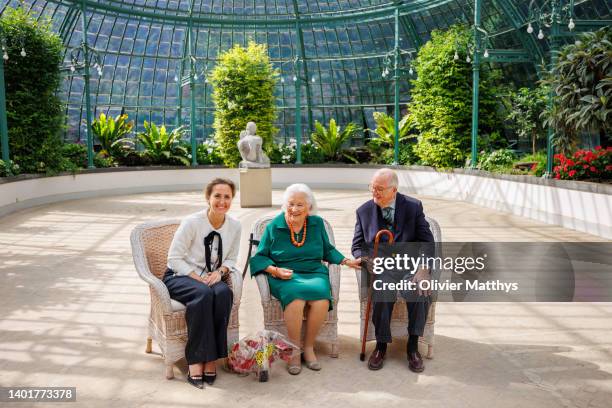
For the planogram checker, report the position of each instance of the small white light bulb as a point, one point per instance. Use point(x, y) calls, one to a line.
point(530, 28)
point(456, 57)
point(312, 80)
point(5, 56)
point(540, 34)
point(72, 68)
point(411, 71)
point(23, 53)
point(195, 77)
point(486, 53)
point(468, 59)
point(294, 78)
point(571, 24)
point(175, 78)
point(282, 80)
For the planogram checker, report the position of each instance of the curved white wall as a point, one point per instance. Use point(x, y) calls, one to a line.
point(583, 206)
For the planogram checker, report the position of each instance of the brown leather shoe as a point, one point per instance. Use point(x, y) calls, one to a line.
point(376, 360)
point(415, 362)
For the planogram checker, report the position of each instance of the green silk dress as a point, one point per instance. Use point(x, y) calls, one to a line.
point(310, 279)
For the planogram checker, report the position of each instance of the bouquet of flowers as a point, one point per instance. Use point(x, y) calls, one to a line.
point(255, 353)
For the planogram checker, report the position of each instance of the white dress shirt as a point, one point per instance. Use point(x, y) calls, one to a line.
point(187, 251)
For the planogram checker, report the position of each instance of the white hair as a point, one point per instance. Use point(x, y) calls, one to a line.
point(304, 189)
point(390, 174)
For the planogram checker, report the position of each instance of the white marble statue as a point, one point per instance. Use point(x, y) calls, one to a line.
point(250, 147)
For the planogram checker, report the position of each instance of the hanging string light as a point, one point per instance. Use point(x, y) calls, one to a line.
point(549, 13)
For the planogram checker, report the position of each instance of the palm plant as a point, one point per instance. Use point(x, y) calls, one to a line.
point(163, 147)
point(385, 129)
point(330, 140)
point(111, 133)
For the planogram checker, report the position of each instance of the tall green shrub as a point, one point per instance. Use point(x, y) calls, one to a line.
point(582, 85)
point(34, 112)
point(243, 91)
point(441, 106)
point(526, 107)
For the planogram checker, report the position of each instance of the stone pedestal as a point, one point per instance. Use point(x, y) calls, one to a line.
point(255, 187)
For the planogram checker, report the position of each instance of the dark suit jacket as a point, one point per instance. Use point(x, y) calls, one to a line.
point(409, 223)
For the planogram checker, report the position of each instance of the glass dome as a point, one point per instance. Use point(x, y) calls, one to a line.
point(143, 45)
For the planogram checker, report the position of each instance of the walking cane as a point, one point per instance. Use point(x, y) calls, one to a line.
point(379, 234)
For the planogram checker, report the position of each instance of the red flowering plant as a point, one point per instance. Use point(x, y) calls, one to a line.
point(593, 164)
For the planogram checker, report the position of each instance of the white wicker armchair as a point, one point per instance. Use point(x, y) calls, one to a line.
point(399, 318)
point(273, 313)
point(150, 245)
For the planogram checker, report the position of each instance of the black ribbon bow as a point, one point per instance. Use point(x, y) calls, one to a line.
point(208, 244)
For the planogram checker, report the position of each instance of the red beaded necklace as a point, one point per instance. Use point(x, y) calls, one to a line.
point(293, 240)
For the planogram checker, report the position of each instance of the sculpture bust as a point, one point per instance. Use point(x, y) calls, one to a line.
point(250, 147)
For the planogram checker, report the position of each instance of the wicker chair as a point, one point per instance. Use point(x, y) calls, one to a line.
point(273, 313)
point(150, 245)
point(399, 318)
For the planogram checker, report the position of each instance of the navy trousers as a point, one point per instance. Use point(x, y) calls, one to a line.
point(383, 302)
point(381, 318)
point(207, 315)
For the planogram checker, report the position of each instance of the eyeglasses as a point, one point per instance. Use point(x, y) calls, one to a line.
point(378, 190)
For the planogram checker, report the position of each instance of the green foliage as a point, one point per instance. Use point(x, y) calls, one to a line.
point(208, 153)
point(111, 134)
point(243, 90)
point(9, 168)
point(441, 105)
point(75, 158)
point(385, 129)
point(539, 158)
point(526, 106)
point(582, 85)
point(163, 147)
point(498, 160)
point(75, 154)
point(282, 154)
point(312, 154)
point(331, 139)
point(34, 112)
point(383, 144)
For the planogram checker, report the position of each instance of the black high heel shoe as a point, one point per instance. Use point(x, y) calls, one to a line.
point(196, 380)
point(209, 378)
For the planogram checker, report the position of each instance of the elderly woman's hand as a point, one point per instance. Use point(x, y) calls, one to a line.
point(280, 273)
point(352, 263)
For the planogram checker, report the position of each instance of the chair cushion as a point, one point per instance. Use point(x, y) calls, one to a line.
point(176, 305)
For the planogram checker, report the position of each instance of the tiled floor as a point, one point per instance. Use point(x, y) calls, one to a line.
point(73, 313)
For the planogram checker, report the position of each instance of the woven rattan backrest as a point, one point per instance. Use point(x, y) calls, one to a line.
point(156, 242)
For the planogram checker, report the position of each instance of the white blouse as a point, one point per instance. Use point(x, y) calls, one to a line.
point(187, 251)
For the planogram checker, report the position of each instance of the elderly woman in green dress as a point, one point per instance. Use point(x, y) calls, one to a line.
point(290, 253)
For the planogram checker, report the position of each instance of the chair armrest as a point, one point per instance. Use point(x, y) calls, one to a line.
point(234, 281)
point(264, 288)
point(334, 281)
point(145, 274)
point(162, 292)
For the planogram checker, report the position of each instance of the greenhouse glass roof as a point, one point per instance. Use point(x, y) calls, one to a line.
point(143, 45)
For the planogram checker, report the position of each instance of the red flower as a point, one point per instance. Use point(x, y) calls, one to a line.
point(585, 166)
point(570, 162)
point(609, 167)
point(534, 166)
point(597, 147)
point(558, 176)
point(572, 173)
point(593, 169)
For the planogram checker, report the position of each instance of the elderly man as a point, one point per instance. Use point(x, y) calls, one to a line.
point(403, 216)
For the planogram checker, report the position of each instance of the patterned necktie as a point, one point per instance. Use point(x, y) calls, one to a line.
point(387, 216)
